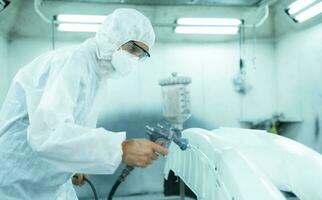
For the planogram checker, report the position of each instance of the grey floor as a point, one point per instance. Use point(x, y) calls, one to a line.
point(167, 198)
point(146, 197)
point(150, 197)
point(160, 197)
point(142, 197)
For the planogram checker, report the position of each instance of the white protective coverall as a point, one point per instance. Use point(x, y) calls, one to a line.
point(47, 122)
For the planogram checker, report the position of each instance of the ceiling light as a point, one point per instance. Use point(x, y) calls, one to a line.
point(309, 13)
point(209, 21)
point(89, 19)
point(78, 27)
point(298, 5)
point(206, 30)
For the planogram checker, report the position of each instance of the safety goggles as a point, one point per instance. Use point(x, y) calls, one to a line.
point(136, 50)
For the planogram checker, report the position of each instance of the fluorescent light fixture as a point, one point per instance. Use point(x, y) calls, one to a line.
point(78, 27)
point(89, 19)
point(298, 5)
point(309, 13)
point(209, 21)
point(206, 30)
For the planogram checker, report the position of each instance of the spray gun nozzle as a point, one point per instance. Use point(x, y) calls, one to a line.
point(182, 143)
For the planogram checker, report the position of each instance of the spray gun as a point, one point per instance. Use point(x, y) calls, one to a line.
point(164, 136)
point(176, 109)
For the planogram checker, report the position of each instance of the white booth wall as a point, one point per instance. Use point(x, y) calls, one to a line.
point(4, 74)
point(299, 69)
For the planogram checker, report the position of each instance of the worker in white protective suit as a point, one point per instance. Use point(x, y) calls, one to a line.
point(47, 122)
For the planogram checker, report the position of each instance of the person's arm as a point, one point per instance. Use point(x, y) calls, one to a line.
point(55, 136)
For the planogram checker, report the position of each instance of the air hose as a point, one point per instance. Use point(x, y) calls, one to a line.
point(92, 187)
point(126, 171)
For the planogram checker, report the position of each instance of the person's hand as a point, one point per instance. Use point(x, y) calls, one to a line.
point(140, 152)
point(79, 179)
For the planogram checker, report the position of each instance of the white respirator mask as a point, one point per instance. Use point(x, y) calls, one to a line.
point(123, 62)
